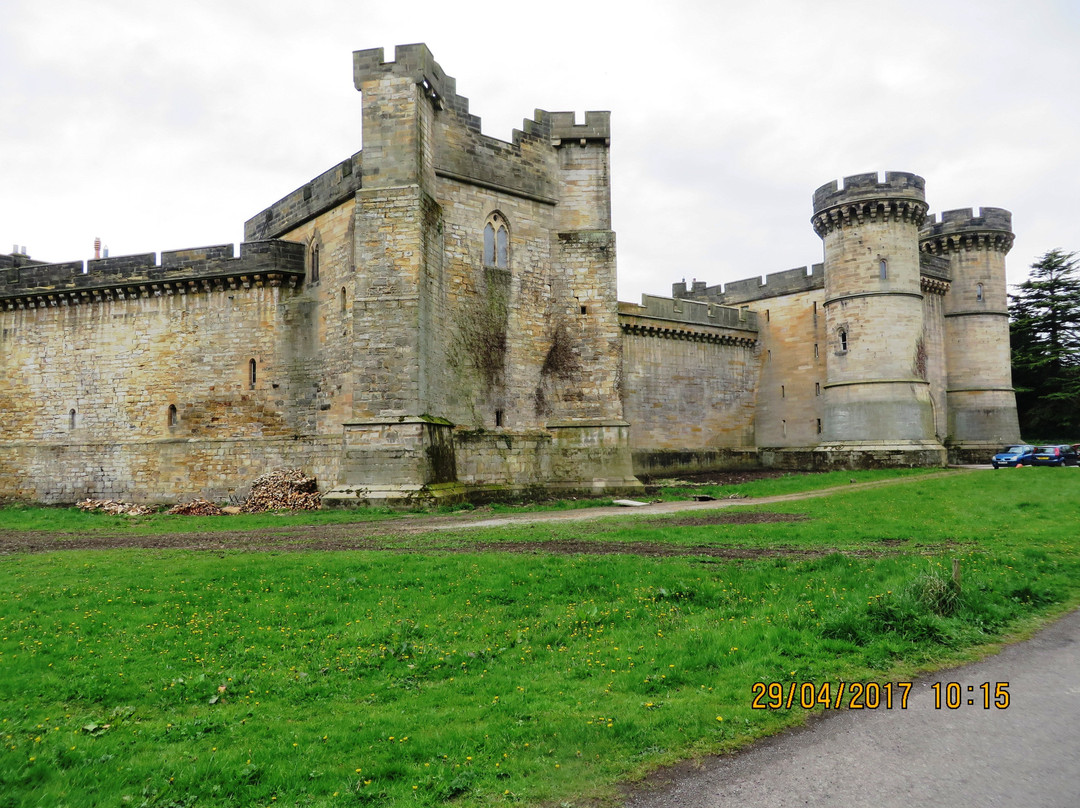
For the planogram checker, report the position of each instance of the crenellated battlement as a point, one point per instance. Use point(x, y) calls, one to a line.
point(786, 282)
point(861, 187)
point(564, 126)
point(416, 62)
point(864, 197)
point(961, 229)
point(411, 61)
point(686, 319)
point(326, 191)
point(203, 269)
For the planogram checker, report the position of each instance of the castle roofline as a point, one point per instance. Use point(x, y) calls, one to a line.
point(261, 263)
point(864, 187)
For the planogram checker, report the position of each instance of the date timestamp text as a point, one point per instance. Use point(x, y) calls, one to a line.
point(872, 695)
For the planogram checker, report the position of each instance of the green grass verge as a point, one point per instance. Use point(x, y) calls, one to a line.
point(74, 521)
point(172, 678)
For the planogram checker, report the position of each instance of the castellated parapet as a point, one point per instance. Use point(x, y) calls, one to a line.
point(261, 263)
point(328, 190)
point(865, 197)
point(960, 229)
point(734, 293)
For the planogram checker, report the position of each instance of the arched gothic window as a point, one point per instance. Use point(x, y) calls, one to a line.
point(979, 292)
point(841, 336)
point(172, 415)
point(883, 269)
point(496, 242)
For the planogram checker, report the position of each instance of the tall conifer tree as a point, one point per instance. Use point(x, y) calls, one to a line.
point(1044, 329)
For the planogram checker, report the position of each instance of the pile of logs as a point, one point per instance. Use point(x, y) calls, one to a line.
point(197, 507)
point(284, 489)
point(115, 507)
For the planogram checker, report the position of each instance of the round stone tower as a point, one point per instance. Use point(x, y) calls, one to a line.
point(979, 394)
point(877, 408)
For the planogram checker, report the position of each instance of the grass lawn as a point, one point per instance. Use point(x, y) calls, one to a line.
point(176, 678)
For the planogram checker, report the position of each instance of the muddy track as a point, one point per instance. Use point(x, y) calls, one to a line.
point(395, 535)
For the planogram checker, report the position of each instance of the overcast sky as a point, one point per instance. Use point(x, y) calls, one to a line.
point(161, 126)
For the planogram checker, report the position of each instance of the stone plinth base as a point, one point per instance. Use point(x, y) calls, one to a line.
point(592, 455)
point(857, 455)
point(398, 461)
point(418, 460)
point(973, 453)
point(979, 420)
point(658, 463)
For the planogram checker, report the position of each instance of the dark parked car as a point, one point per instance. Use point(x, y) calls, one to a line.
point(1059, 455)
point(1018, 455)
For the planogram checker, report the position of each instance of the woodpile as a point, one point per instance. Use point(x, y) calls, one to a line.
point(114, 507)
point(197, 507)
point(283, 489)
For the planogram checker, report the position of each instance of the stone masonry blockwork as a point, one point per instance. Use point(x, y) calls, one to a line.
point(367, 333)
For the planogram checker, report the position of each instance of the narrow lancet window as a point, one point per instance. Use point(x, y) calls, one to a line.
point(252, 374)
point(172, 415)
point(489, 245)
point(502, 251)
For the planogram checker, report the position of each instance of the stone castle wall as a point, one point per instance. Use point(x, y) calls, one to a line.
point(689, 384)
point(364, 334)
point(135, 379)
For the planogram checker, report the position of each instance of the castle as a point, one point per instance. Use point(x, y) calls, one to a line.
point(435, 317)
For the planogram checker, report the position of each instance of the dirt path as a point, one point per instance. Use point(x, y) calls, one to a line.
point(393, 534)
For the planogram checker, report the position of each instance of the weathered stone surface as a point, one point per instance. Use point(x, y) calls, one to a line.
point(367, 335)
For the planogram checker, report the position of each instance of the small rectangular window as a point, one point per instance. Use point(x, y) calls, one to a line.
point(498, 417)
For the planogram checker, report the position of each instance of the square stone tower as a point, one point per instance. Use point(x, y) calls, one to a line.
point(485, 348)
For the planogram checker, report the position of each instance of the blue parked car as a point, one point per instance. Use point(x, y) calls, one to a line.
point(1019, 455)
point(1061, 454)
